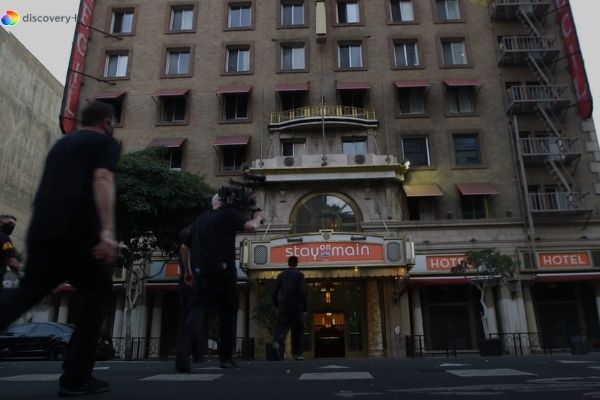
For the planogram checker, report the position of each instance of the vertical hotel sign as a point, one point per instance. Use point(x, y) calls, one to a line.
point(70, 101)
point(575, 59)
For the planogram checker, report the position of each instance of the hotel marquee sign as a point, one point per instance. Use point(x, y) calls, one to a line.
point(327, 250)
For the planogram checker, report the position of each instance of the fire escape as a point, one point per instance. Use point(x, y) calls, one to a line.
point(540, 96)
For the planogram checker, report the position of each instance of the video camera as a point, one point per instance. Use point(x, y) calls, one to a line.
point(240, 195)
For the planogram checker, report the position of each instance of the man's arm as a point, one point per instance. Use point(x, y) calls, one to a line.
point(185, 257)
point(104, 196)
point(14, 265)
point(253, 224)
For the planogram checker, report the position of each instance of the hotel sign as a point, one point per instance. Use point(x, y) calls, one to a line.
point(328, 250)
point(576, 259)
point(443, 263)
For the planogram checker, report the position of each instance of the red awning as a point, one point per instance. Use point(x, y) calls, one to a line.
point(238, 140)
point(431, 190)
point(171, 92)
point(411, 84)
point(477, 189)
point(234, 89)
point(167, 142)
point(292, 87)
point(568, 277)
point(462, 82)
point(438, 280)
point(108, 95)
point(352, 86)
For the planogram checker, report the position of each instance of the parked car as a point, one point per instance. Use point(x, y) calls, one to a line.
point(45, 340)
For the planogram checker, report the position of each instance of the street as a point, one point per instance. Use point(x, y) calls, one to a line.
point(472, 377)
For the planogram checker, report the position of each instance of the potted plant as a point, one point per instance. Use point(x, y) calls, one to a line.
point(485, 269)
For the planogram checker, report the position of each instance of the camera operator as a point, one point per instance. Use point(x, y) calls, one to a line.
point(209, 257)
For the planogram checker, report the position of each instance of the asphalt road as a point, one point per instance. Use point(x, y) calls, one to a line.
point(473, 377)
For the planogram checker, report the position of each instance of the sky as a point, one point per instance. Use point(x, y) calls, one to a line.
point(51, 42)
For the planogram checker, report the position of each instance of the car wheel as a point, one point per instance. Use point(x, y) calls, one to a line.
point(58, 352)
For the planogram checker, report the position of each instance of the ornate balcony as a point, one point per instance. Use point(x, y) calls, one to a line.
point(515, 50)
point(337, 167)
point(328, 114)
point(507, 10)
point(526, 99)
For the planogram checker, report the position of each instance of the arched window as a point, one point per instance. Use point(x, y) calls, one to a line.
point(325, 211)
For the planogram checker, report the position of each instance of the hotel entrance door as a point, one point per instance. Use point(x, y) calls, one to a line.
point(329, 334)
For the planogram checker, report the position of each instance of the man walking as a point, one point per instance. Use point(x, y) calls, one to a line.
point(8, 256)
point(71, 238)
point(289, 298)
point(209, 257)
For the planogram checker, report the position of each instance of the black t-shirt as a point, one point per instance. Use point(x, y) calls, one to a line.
point(7, 251)
point(212, 240)
point(64, 205)
point(290, 291)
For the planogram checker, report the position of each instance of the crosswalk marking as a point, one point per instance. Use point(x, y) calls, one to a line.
point(333, 367)
point(331, 376)
point(101, 368)
point(575, 362)
point(469, 373)
point(453, 365)
point(183, 377)
point(31, 378)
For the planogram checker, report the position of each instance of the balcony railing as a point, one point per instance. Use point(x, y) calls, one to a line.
point(525, 99)
point(328, 113)
point(514, 50)
point(539, 150)
point(506, 10)
point(556, 202)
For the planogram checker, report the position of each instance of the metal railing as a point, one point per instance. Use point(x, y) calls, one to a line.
point(537, 93)
point(326, 111)
point(549, 146)
point(529, 44)
point(140, 348)
point(555, 201)
point(431, 345)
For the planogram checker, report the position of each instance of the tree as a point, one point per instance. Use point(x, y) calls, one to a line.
point(485, 269)
point(154, 203)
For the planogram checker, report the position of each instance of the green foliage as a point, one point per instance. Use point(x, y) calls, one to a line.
point(154, 203)
point(486, 268)
point(265, 313)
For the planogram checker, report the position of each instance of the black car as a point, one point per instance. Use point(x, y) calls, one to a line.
point(45, 340)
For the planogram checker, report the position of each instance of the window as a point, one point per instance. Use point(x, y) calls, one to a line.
point(448, 10)
point(173, 109)
point(402, 10)
point(348, 12)
point(174, 157)
point(473, 207)
point(291, 100)
point(122, 22)
point(117, 105)
point(182, 19)
point(350, 56)
point(178, 62)
point(18, 330)
point(454, 52)
point(232, 158)
point(292, 14)
point(292, 57)
point(466, 150)
point(412, 101)
point(292, 148)
point(406, 54)
point(416, 150)
point(460, 100)
point(47, 330)
point(238, 59)
point(352, 146)
point(353, 98)
point(240, 16)
point(421, 208)
point(325, 212)
point(235, 106)
point(116, 65)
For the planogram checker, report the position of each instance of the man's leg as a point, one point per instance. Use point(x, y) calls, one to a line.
point(279, 334)
point(297, 332)
point(93, 280)
point(193, 328)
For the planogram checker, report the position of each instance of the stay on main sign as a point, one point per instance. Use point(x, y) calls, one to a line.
point(328, 251)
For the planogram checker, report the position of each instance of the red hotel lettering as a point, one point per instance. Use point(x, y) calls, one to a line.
point(441, 263)
point(564, 260)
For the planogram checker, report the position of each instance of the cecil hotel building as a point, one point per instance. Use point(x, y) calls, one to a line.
point(394, 135)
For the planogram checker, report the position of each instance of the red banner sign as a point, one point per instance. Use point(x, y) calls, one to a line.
point(564, 260)
point(70, 102)
point(575, 60)
point(443, 263)
point(327, 252)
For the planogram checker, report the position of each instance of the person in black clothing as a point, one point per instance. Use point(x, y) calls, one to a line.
point(209, 257)
point(289, 298)
point(8, 255)
point(185, 292)
point(71, 238)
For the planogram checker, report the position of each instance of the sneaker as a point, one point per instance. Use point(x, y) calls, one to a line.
point(91, 386)
point(299, 358)
point(182, 363)
point(228, 364)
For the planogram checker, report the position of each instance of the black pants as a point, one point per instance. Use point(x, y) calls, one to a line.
point(49, 264)
point(287, 320)
point(211, 293)
point(199, 344)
